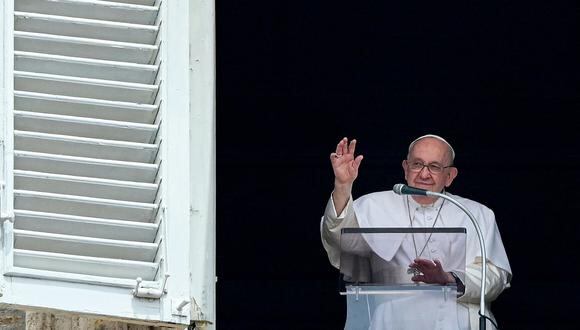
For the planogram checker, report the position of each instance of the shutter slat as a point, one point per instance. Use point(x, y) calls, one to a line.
point(85, 107)
point(84, 206)
point(85, 226)
point(84, 166)
point(85, 265)
point(103, 10)
point(84, 186)
point(84, 127)
point(85, 28)
point(84, 47)
point(84, 68)
point(85, 87)
point(84, 246)
point(136, 2)
point(84, 147)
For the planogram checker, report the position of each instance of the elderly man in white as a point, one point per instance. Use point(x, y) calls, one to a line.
point(429, 166)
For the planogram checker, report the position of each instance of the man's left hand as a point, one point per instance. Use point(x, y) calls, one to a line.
point(431, 272)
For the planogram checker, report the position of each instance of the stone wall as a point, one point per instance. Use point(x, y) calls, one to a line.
point(19, 320)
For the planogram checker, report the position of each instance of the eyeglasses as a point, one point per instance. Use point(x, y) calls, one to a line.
point(434, 168)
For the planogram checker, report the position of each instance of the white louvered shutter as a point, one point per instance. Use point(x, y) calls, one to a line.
point(89, 170)
point(86, 171)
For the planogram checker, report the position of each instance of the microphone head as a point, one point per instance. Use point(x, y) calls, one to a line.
point(398, 188)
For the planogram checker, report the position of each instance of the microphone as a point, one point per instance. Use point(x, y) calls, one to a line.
point(403, 189)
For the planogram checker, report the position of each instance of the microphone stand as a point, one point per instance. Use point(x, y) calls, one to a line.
point(482, 320)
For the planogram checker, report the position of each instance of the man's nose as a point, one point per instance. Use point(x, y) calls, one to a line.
point(424, 173)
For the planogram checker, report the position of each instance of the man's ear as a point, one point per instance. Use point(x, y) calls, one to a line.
point(404, 168)
point(451, 175)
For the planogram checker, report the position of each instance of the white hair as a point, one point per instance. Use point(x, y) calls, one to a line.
point(435, 137)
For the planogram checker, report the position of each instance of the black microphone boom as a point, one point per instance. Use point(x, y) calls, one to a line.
point(403, 189)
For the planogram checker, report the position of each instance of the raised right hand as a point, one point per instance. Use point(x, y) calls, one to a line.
point(344, 163)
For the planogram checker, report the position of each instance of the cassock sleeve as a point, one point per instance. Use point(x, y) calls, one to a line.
point(496, 282)
point(498, 267)
point(330, 227)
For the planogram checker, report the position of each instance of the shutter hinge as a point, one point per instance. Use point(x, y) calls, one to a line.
point(148, 292)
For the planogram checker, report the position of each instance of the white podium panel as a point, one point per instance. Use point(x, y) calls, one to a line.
point(377, 279)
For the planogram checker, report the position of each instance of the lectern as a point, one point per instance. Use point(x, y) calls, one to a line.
point(376, 278)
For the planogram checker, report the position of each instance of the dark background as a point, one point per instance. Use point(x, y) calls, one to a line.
point(497, 79)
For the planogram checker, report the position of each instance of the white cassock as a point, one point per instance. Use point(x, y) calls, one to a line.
point(386, 209)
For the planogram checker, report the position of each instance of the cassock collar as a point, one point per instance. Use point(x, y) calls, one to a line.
point(414, 204)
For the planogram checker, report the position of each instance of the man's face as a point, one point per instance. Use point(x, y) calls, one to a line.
point(429, 151)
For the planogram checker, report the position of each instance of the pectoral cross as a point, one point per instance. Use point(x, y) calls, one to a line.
point(414, 271)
